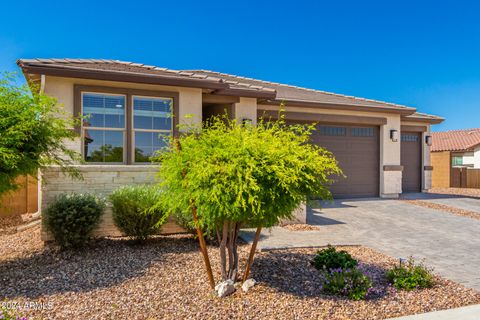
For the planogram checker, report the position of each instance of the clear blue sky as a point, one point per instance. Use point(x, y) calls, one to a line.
point(423, 55)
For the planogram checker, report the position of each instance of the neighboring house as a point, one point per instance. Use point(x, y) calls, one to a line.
point(129, 106)
point(454, 149)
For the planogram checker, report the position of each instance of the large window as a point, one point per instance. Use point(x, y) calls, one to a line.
point(104, 127)
point(152, 124)
point(124, 127)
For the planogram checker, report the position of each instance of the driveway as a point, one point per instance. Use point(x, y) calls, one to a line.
point(449, 243)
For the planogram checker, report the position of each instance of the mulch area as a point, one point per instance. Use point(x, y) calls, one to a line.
point(165, 279)
point(442, 207)
point(469, 192)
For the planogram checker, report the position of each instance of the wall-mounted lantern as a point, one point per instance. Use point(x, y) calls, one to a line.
point(394, 135)
point(247, 121)
point(428, 140)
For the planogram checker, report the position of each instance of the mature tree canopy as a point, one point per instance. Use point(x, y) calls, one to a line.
point(33, 130)
point(239, 174)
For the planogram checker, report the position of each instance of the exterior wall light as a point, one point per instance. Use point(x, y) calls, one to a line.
point(394, 135)
point(428, 140)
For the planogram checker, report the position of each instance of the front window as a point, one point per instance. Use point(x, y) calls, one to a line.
point(104, 127)
point(152, 124)
point(457, 160)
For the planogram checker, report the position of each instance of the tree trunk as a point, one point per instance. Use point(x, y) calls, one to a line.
point(223, 253)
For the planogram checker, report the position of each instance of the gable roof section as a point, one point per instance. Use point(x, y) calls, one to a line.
point(423, 117)
point(455, 140)
point(215, 82)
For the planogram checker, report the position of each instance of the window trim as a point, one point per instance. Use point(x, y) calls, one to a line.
point(159, 131)
point(129, 93)
point(123, 130)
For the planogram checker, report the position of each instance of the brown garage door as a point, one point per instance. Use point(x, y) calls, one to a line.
point(357, 149)
point(411, 159)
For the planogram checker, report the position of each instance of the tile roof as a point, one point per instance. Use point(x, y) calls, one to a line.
point(226, 83)
point(293, 93)
point(424, 116)
point(455, 140)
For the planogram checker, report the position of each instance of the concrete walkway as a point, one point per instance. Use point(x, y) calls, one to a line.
point(464, 313)
point(449, 243)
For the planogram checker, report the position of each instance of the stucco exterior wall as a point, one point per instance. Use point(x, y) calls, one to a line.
point(246, 109)
point(476, 158)
point(441, 162)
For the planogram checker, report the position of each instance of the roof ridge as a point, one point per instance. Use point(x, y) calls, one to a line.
point(301, 88)
point(459, 130)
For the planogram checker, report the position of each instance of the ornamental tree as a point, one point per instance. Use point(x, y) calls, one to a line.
point(235, 175)
point(33, 130)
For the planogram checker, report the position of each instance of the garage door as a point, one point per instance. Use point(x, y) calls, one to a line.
point(357, 149)
point(411, 159)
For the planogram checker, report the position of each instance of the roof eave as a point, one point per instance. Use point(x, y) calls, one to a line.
point(437, 120)
point(85, 73)
point(314, 104)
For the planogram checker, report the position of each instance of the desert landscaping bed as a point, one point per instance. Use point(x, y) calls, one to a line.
point(442, 207)
point(469, 192)
point(165, 279)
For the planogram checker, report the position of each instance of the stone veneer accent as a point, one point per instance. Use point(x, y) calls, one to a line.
point(101, 180)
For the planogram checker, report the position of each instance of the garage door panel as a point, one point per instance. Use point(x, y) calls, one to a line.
point(411, 160)
point(357, 152)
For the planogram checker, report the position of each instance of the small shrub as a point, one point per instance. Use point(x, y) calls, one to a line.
point(135, 212)
point(72, 218)
point(351, 283)
point(410, 276)
point(330, 258)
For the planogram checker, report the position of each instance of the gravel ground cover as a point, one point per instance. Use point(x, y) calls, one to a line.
point(165, 279)
point(442, 207)
point(470, 192)
point(300, 227)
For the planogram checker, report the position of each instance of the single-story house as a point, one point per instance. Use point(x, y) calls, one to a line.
point(454, 149)
point(382, 147)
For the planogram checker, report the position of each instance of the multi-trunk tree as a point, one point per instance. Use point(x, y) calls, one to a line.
point(33, 131)
point(233, 175)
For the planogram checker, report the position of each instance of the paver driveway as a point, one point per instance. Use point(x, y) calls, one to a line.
point(449, 243)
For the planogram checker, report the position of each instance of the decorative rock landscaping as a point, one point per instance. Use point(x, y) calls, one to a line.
point(165, 279)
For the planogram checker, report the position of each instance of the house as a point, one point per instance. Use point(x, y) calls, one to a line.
point(454, 149)
point(381, 147)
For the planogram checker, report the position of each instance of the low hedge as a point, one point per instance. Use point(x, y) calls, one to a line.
point(135, 212)
point(71, 218)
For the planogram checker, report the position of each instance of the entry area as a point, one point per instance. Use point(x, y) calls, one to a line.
point(357, 149)
point(411, 160)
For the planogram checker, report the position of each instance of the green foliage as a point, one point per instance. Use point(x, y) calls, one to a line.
point(72, 218)
point(134, 212)
point(9, 314)
point(351, 283)
point(410, 276)
point(254, 175)
point(330, 258)
point(33, 130)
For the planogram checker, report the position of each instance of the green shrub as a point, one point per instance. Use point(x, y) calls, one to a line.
point(72, 218)
point(351, 283)
point(410, 276)
point(330, 258)
point(10, 314)
point(135, 211)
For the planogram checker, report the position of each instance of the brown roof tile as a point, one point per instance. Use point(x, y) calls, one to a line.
point(276, 92)
point(455, 140)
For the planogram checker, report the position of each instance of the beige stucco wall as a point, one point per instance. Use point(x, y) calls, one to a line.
point(390, 181)
point(246, 109)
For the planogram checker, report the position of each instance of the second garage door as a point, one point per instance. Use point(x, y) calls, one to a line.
point(357, 149)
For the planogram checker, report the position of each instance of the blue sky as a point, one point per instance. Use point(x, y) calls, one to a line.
point(424, 54)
